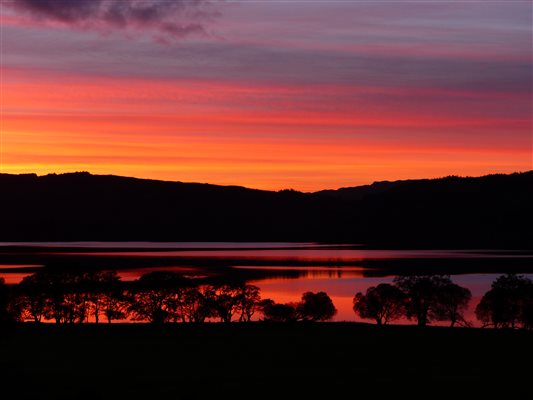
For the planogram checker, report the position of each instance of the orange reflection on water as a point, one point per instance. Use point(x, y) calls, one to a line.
point(14, 277)
point(136, 273)
point(310, 272)
point(11, 275)
point(341, 289)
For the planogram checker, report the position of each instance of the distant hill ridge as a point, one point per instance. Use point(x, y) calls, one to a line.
point(493, 210)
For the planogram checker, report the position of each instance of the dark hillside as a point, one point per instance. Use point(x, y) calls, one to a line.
point(490, 211)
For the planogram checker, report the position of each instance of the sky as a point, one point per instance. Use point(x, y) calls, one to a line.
point(267, 94)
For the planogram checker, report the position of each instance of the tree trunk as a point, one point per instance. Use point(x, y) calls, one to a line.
point(96, 312)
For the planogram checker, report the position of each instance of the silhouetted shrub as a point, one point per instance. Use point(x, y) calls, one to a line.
point(316, 307)
point(275, 312)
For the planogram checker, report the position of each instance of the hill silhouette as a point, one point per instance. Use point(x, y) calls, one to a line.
point(490, 211)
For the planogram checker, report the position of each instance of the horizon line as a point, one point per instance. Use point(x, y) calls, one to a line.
point(263, 190)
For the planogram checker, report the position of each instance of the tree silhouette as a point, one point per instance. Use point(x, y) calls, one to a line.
point(54, 295)
point(424, 296)
point(506, 304)
point(451, 302)
point(316, 307)
point(225, 301)
point(73, 296)
point(4, 302)
point(115, 305)
point(157, 297)
point(67, 297)
point(276, 312)
point(34, 297)
point(110, 300)
point(248, 298)
point(198, 303)
point(527, 309)
point(98, 285)
point(383, 303)
point(154, 295)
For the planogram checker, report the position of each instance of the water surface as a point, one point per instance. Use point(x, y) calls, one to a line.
point(283, 271)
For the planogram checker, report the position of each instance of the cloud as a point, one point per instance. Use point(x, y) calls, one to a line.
point(164, 19)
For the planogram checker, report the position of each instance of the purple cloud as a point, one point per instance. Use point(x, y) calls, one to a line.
point(163, 18)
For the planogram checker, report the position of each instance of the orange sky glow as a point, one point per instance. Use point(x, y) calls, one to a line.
point(289, 102)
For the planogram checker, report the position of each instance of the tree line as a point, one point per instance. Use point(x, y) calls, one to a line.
point(166, 296)
point(429, 298)
point(156, 297)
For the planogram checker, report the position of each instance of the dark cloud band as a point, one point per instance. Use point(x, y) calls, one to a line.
point(175, 18)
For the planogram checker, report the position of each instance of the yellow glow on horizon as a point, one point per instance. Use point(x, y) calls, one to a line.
point(185, 131)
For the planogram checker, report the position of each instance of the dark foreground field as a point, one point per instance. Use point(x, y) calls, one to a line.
point(259, 360)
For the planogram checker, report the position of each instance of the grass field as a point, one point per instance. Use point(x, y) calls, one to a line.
point(258, 360)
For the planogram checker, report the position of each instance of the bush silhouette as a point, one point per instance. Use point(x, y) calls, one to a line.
point(316, 307)
point(276, 312)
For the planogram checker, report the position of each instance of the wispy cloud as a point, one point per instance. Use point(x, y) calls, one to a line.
point(163, 19)
point(278, 94)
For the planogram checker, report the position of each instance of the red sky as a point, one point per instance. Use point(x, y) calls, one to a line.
point(272, 95)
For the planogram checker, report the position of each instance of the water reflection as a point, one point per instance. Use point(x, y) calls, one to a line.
point(342, 290)
point(300, 272)
point(48, 295)
point(330, 254)
point(282, 271)
point(14, 273)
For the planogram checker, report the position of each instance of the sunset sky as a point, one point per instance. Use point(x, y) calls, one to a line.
point(266, 94)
